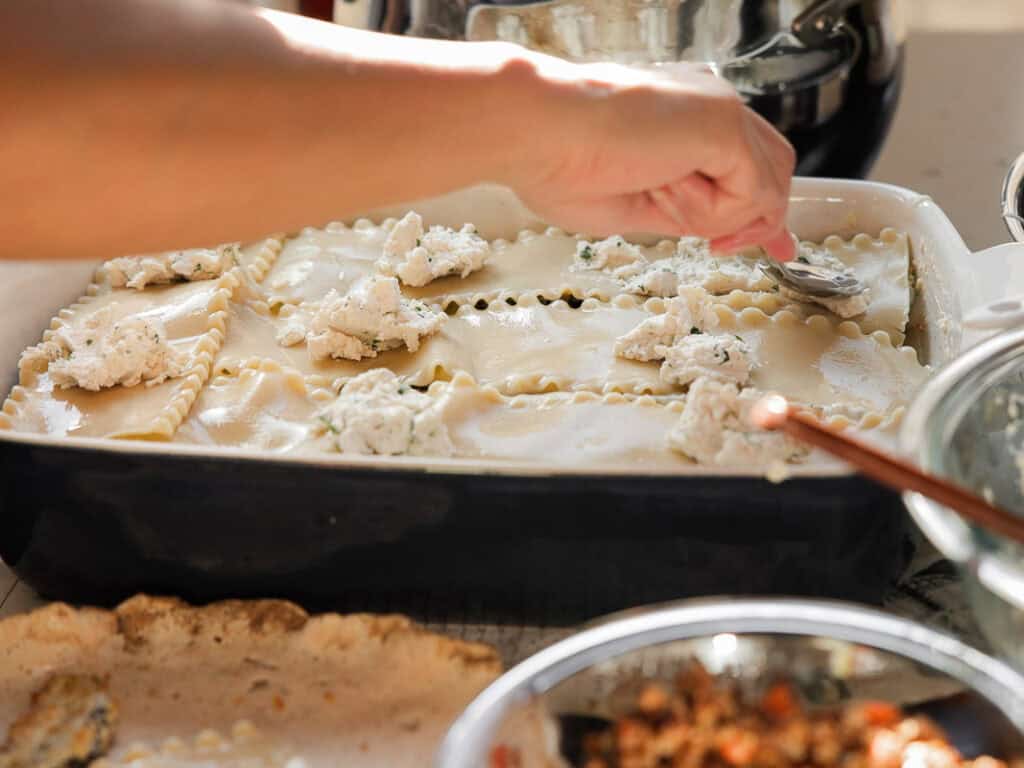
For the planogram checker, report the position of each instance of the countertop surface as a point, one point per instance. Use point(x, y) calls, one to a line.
point(959, 126)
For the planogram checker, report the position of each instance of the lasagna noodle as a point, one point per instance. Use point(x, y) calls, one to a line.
point(530, 347)
point(526, 348)
point(883, 265)
point(318, 260)
point(562, 428)
point(819, 362)
point(193, 315)
point(259, 257)
point(253, 333)
point(534, 263)
point(261, 405)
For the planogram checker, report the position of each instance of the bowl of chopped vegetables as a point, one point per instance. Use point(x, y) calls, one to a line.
point(731, 683)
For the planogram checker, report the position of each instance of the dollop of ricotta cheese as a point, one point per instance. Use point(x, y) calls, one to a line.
point(714, 429)
point(843, 306)
point(694, 264)
point(417, 257)
point(688, 313)
point(376, 413)
point(101, 352)
point(193, 264)
point(722, 358)
point(372, 317)
point(613, 255)
point(683, 337)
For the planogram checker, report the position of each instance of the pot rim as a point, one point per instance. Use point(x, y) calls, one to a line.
point(469, 737)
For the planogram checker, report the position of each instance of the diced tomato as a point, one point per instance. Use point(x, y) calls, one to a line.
point(880, 713)
point(504, 756)
point(780, 702)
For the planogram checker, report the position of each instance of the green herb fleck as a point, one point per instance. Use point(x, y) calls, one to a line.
point(725, 356)
point(417, 242)
point(587, 253)
point(695, 331)
point(88, 342)
point(198, 268)
point(802, 259)
point(403, 389)
point(738, 338)
point(328, 425)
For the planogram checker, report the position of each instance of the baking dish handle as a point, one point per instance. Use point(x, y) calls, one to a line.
point(993, 268)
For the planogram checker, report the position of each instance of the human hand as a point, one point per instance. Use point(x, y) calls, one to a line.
point(674, 152)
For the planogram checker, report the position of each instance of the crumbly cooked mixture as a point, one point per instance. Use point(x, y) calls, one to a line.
point(714, 429)
point(377, 413)
point(372, 317)
point(700, 722)
point(193, 264)
point(70, 721)
point(417, 257)
point(102, 352)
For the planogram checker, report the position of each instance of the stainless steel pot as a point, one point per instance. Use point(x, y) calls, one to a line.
point(825, 72)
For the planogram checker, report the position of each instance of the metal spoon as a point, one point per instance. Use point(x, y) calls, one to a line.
point(812, 280)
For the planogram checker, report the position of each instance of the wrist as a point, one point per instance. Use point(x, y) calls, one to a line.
point(523, 111)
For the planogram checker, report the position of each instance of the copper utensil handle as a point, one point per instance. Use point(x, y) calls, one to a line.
point(899, 474)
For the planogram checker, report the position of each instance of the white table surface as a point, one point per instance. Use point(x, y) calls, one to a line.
point(961, 122)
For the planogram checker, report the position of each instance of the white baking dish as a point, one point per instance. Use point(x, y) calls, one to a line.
point(951, 282)
point(96, 519)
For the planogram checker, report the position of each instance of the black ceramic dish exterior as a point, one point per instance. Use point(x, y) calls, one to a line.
point(90, 525)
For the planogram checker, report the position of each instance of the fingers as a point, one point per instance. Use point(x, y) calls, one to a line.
point(782, 247)
point(776, 241)
point(746, 205)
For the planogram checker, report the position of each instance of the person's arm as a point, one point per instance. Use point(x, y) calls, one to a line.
point(141, 125)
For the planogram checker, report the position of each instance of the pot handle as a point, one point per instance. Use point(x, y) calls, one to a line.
point(1007, 312)
point(819, 22)
point(1013, 200)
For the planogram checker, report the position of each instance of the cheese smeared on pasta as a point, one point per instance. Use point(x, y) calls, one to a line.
point(193, 264)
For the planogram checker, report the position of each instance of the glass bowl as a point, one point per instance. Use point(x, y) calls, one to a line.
point(967, 424)
point(833, 652)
